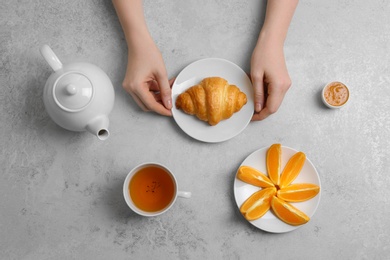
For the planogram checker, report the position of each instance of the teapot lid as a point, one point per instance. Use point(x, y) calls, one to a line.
point(73, 91)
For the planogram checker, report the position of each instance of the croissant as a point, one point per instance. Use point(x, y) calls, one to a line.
point(212, 100)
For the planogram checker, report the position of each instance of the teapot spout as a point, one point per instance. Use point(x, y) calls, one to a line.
point(99, 127)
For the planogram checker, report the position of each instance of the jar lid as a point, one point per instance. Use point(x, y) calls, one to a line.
point(73, 91)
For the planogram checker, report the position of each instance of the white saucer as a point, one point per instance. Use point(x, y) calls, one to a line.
point(269, 222)
point(226, 129)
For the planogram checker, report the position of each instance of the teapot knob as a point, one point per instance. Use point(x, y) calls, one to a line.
point(71, 89)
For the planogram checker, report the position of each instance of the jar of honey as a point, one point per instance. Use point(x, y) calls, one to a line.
point(335, 94)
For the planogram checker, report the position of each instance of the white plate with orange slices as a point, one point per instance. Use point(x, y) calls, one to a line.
point(287, 202)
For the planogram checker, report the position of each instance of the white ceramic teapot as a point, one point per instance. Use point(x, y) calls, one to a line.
point(78, 96)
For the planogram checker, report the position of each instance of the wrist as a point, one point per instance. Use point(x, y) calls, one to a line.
point(271, 38)
point(138, 36)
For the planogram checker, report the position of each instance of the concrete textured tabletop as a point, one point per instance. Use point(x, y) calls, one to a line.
point(61, 191)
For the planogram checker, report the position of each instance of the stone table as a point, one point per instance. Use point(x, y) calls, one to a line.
point(61, 191)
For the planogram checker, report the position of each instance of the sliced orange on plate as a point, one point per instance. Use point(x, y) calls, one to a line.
point(287, 212)
point(298, 192)
point(292, 169)
point(273, 161)
point(252, 176)
point(278, 188)
point(258, 203)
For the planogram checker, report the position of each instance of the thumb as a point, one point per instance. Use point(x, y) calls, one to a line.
point(165, 90)
point(258, 86)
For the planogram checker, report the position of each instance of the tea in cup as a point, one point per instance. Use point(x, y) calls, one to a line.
point(150, 189)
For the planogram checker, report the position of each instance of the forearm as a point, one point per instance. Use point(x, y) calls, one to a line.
point(131, 17)
point(278, 16)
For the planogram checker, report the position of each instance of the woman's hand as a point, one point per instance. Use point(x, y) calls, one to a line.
point(269, 73)
point(146, 77)
point(270, 79)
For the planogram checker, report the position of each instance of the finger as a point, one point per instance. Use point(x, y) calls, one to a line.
point(148, 100)
point(157, 96)
point(139, 102)
point(256, 117)
point(264, 113)
point(259, 95)
point(165, 90)
point(273, 102)
point(153, 86)
point(171, 81)
point(156, 89)
point(155, 105)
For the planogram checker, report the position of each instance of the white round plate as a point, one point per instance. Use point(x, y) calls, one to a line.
point(269, 222)
point(192, 75)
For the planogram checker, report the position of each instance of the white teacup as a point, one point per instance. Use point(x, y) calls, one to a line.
point(150, 189)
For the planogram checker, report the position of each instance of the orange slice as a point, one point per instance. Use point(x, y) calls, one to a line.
point(288, 213)
point(258, 203)
point(292, 169)
point(273, 161)
point(252, 176)
point(298, 192)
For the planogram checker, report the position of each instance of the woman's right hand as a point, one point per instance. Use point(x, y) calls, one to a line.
point(146, 78)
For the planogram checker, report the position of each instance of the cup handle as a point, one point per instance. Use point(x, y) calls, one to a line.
point(184, 194)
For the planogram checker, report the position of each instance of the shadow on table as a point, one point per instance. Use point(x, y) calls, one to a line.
point(115, 204)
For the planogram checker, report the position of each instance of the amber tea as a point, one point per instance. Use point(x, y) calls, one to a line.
point(152, 189)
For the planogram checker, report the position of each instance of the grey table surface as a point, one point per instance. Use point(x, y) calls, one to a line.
point(61, 191)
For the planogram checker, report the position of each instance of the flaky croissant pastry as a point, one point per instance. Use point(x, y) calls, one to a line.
point(212, 100)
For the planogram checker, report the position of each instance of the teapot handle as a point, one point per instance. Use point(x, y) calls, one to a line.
point(50, 57)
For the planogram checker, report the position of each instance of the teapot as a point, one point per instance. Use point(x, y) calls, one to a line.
point(78, 96)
